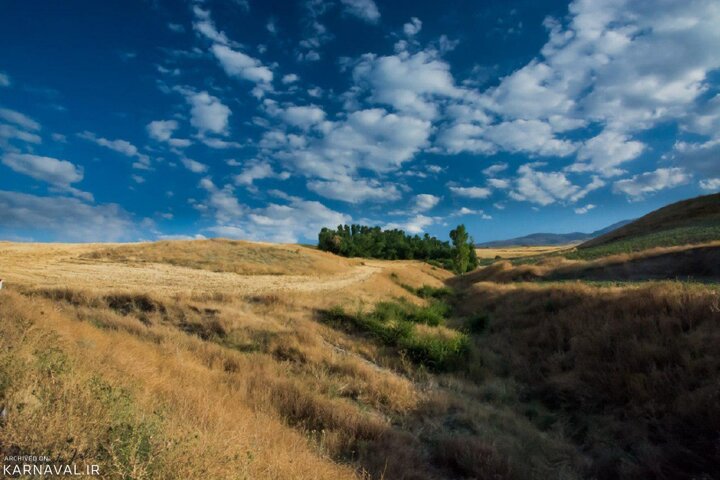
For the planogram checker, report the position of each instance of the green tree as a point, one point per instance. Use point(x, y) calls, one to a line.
point(461, 249)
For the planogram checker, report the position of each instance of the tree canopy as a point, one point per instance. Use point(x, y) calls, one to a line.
point(395, 244)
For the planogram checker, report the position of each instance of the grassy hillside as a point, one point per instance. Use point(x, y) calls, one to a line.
point(155, 361)
point(691, 221)
point(219, 255)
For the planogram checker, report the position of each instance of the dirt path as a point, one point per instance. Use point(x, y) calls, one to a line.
point(57, 267)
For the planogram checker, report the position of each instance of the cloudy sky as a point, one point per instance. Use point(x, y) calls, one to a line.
point(267, 120)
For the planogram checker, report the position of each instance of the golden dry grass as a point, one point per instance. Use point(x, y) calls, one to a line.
point(518, 252)
point(162, 365)
point(164, 371)
point(688, 261)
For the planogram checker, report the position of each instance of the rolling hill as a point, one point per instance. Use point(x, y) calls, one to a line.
point(538, 239)
point(688, 222)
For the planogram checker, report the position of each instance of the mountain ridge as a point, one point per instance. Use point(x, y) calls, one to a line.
point(541, 239)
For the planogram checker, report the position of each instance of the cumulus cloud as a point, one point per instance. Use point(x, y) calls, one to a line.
point(208, 113)
point(120, 146)
point(162, 131)
point(604, 152)
point(364, 9)
point(413, 27)
point(701, 157)
point(585, 209)
point(296, 220)
point(257, 171)
point(424, 201)
point(290, 78)
point(371, 139)
point(471, 192)
point(237, 64)
point(195, 166)
point(303, 116)
point(545, 188)
point(47, 217)
point(711, 184)
point(355, 190)
point(532, 137)
point(413, 225)
point(639, 186)
point(624, 66)
point(411, 83)
point(221, 201)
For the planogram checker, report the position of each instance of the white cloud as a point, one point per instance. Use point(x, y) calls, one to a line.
point(604, 152)
point(528, 136)
point(413, 27)
point(413, 225)
point(205, 26)
point(701, 157)
point(499, 183)
point(464, 211)
point(303, 116)
point(258, 171)
point(638, 186)
point(370, 139)
point(271, 26)
point(712, 184)
point(4, 80)
point(19, 119)
point(585, 209)
point(290, 78)
point(10, 132)
point(623, 66)
point(424, 201)
point(495, 169)
point(297, 220)
point(195, 166)
point(471, 192)
point(176, 27)
point(364, 9)
point(120, 146)
point(222, 201)
point(409, 83)
point(161, 130)
point(355, 190)
point(237, 64)
point(208, 113)
point(545, 188)
point(58, 173)
point(51, 216)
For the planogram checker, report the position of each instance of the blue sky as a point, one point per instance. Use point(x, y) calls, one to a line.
point(266, 120)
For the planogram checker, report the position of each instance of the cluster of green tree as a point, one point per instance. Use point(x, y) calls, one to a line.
point(374, 242)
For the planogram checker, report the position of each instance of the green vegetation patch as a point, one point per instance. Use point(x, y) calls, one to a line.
point(395, 324)
point(667, 238)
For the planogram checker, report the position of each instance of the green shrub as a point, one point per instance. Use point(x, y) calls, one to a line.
point(393, 323)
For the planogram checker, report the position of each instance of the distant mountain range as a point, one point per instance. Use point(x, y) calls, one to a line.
point(537, 239)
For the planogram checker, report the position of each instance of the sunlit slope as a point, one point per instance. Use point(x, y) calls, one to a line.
point(688, 222)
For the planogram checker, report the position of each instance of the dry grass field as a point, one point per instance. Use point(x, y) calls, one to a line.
point(219, 359)
point(509, 253)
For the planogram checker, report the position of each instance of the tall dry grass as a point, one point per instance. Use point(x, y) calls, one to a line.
point(629, 374)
